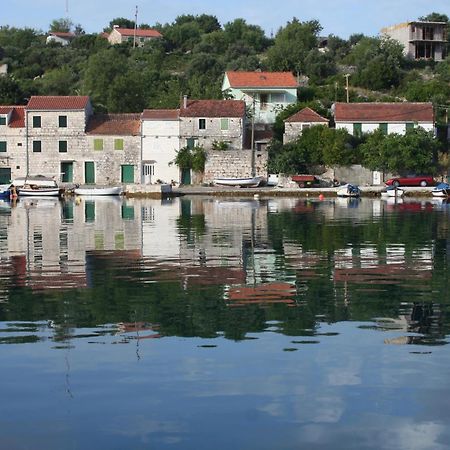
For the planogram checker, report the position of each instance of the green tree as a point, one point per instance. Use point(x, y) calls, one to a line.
point(121, 22)
point(11, 92)
point(191, 158)
point(63, 25)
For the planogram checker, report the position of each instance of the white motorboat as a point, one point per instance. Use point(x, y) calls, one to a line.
point(441, 190)
point(95, 191)
point(33, 191)
point(392, 191)
point(240, 182)
point(348, 190)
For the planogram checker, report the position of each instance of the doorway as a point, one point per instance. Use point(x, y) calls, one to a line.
point(67, 172)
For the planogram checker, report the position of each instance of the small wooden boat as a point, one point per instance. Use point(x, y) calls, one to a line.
point(348, 190)
point(94, 191)
point(392, 191)
point(241, 182)
point(441, 190)
point(36, 186)
point(5, 190)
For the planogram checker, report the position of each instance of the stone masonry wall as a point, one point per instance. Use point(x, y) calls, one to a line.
point(234, 164)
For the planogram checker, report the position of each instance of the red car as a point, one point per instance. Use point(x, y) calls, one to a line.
point(411, 181)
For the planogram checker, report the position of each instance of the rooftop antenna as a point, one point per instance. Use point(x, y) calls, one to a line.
point(67, 7)
point(135, 27)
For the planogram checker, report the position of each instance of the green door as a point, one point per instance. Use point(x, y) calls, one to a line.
point(89, 172)
point(5, 175)
point(127, 175)
point(67, 172)
point(185, 176)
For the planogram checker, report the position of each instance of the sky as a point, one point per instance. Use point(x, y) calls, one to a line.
point(339, 17)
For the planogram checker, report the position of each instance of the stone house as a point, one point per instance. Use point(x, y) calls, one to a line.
point(265, 93)
point(160, 144)
point(295, 124)
point(420, 39)
point(113, 150)
point(359, 118)
point(138, 36)
point(12, 143)
point(59, 37)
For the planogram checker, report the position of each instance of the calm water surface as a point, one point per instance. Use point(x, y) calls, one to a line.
point(206, 323)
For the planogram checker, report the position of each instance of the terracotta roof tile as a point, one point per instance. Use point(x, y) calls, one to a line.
point(139, 32)
point(161, 114)
point(114, 124)
point(17, 118)
point(307, 115)
point(214, 108)
point(262, 79)
point(62, 34)
point(49, 102)
point(384, 112)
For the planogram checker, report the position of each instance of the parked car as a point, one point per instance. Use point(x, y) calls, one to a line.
point(423, 181)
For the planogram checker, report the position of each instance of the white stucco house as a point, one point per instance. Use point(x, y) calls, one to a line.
point(264, 93)
point(295, 124)
point(137, 36)
point(160, 144)
point(60, 37)
point(359, 118)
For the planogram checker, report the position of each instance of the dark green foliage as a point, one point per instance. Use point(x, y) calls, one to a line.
point(191, 158)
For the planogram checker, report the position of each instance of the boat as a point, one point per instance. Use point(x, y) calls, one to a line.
point(95, 191)
point(392, 191)
point(441, 190)
point(348, 190)
point(240, 182)
point(5, 190)
point(36, 186)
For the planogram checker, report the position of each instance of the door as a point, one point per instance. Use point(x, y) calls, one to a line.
point(185, 176)
point(5, 175)
point(127, 175)
point(376, 178)
point(89, 172)
point(148, 170)
point(67, 172)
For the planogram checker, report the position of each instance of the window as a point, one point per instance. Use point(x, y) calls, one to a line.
point(202, 124)
point(118, 144)
point(224, 124)
point(191, 143)
point(62, 121)
point(98, 144)
point(409, 126)
point(62, 145)
point(305, 126)
point(2, 146)
point(263, 100)
point(357, 129)
point(383, 128)
point(37, 146)
point(36, 121)
point(278, 98)
point(2, 120)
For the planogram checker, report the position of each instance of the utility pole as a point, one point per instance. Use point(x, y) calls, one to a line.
point(135, 27)
point(253, 136)
point(346, 85)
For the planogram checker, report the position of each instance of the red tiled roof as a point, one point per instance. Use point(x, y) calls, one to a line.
point(262, 79)
point(139, 32)
point(58, 102)
point(385, 112)
point(17, 118)
point(115, 124)
point(307, 115)
point(161, 114)
point(214, 108)
point(62, 34)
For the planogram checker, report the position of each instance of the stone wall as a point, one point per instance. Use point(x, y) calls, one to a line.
point(234, 164)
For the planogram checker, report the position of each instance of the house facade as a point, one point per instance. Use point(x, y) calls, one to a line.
point(60, 37)
point(264, 93)
point(303, 119)
point(359, 118)
point(137, 36)
point(420, 39)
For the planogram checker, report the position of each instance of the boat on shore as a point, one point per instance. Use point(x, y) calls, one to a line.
point(94, 191)
point(392, 191)
point(441, 190)
point(239, 182)
point(348, 190)
point(5, 190)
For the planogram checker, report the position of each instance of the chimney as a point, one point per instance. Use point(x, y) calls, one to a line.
point(185, 98)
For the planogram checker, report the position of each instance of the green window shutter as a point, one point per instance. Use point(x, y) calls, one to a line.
point(2, 146)
point(383, 128)
point(410, 126)
point(118, 144)
point(224, 124)
point(2, 120)
point(127, 173)
point(36, 121)
point(98, 144)
point(62, 146)
point(357, 129)
point(190, 142)
point(62, 121)
point(37, 146)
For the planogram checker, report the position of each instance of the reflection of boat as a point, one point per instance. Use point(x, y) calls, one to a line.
point(94, 191)
point(241, 182)
point(39, 186)
point(392, 191)
point(348, 190)
point(441, 190)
